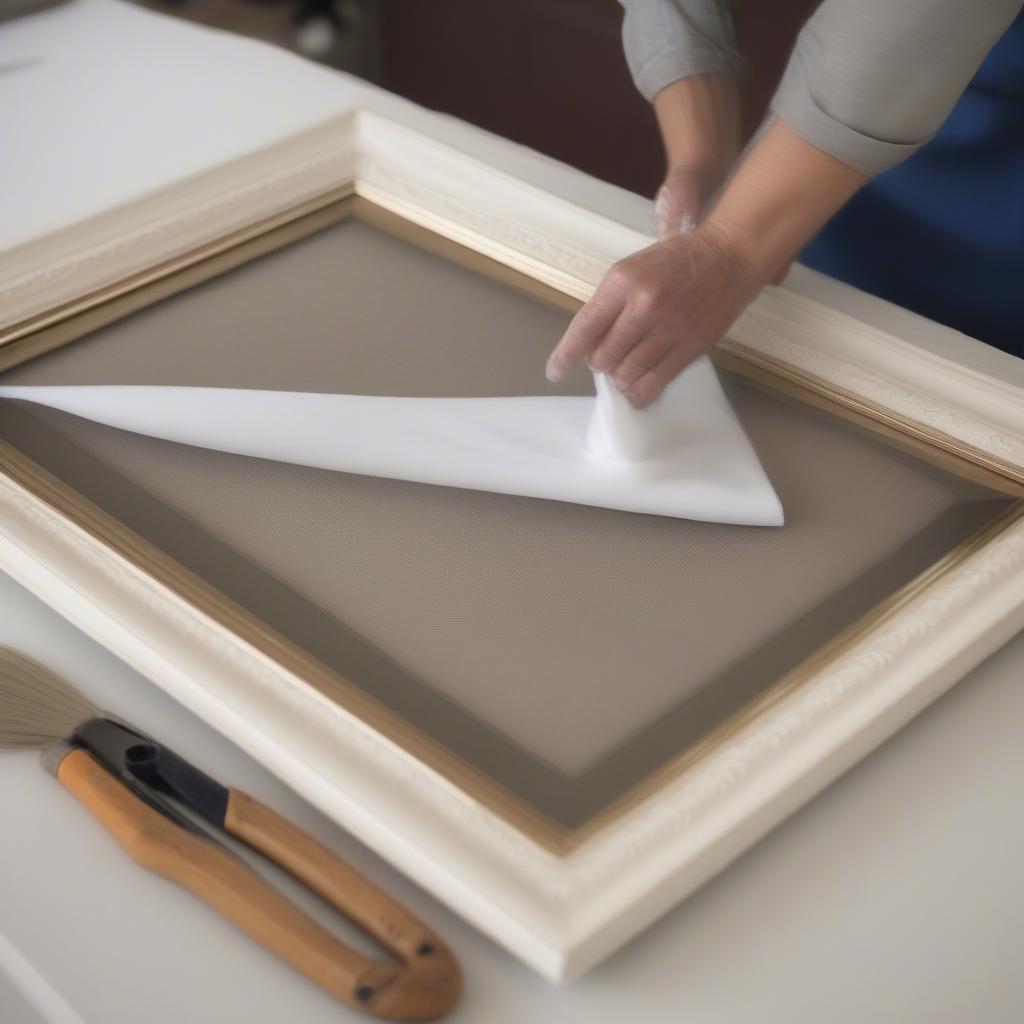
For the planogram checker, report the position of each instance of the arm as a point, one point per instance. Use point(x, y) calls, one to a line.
point(868, 83)
point(659, 309)
point(683, 58)
point(700, 127)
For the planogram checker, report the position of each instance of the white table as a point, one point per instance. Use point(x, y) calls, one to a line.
point(896, 896)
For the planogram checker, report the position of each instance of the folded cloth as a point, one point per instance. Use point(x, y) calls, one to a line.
point(686, 456)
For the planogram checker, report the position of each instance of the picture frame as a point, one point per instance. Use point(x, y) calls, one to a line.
point(559, 898)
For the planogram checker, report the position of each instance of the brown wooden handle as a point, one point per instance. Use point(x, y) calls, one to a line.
point(427, 963)
point(412, 990)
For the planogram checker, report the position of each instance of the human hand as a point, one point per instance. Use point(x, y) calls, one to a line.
point(658, 310)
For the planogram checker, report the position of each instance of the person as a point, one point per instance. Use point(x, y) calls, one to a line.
point(884, 140)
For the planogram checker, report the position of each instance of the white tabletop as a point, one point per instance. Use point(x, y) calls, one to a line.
point(895, 896)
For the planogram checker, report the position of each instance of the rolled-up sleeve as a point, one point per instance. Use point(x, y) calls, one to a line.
point(666, 40)
point(870, 81)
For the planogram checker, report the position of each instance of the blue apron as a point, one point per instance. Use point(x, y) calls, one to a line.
point(943, 233)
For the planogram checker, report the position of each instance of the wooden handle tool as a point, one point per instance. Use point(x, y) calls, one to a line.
point(423, 985)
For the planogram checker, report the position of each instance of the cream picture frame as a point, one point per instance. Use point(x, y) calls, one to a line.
point(560, 899)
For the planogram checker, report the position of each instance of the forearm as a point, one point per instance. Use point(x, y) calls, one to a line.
point(699, 122)
point(682, 55)
point(782, 192)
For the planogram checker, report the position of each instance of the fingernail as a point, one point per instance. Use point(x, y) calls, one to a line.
point(554, 372)
point(687, 224)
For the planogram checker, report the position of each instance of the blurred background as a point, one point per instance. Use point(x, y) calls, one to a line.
point(547, 73)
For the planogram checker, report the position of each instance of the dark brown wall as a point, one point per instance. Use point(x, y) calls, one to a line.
point(547, 73)
point(765, 34)
point(551, 74)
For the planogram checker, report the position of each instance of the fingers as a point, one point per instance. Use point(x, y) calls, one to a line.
point(587, 329)
point(656, 310)
point(644, 356)
point(622, 331)
point(619, 341)
point(648, 386)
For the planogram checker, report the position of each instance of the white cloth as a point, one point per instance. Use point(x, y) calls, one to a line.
point(686, 456)
point(620, 433)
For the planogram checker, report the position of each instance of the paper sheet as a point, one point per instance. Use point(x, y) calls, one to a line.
point(686, 456)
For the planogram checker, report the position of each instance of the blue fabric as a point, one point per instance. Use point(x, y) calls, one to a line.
point(943, 233)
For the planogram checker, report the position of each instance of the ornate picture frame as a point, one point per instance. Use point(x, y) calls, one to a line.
point(560, 898)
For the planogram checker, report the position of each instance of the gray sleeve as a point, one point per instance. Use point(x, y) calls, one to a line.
point(872, 80)
point(666, 40)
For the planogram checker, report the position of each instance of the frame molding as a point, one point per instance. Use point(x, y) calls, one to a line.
point(561, 905)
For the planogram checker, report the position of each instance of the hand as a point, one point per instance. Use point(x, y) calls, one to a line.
point(658, 310)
